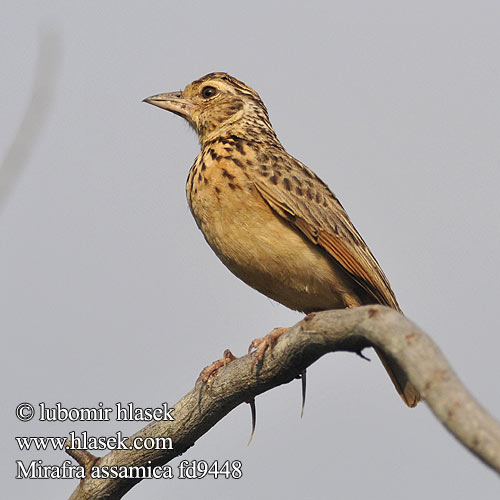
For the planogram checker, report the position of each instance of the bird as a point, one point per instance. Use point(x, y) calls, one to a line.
point(268, 217)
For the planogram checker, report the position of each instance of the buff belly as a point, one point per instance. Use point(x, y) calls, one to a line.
point(267, 253)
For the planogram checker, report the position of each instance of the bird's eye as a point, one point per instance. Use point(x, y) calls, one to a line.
point(208, 91)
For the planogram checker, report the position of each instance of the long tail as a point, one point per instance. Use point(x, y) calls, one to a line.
point(405, 388)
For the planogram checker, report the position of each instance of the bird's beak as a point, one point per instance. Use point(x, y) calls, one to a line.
point(172, 101)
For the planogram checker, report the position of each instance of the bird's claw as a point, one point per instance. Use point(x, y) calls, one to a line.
point(263, 343)
point(212, 369)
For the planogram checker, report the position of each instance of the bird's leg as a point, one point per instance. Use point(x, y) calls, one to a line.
point(263, 343)
point(210, 370)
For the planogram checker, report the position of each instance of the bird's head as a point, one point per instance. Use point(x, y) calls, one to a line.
point(218, 104)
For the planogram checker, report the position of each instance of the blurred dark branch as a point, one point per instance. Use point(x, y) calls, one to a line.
point(320, 333)
point(36, 114)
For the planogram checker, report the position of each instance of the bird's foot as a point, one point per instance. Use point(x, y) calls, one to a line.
point(212, 369)
point(263, 343)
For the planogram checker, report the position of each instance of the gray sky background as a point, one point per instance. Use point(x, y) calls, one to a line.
point(110, 292)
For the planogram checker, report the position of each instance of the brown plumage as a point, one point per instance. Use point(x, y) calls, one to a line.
point(271, 220)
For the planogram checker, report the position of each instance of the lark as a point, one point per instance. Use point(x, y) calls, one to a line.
point(270, 219)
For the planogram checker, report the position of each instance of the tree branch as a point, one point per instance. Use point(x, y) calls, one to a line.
point(320, 333)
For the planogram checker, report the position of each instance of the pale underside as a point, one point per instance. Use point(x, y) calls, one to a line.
point(264, 251)
point(259, 232)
